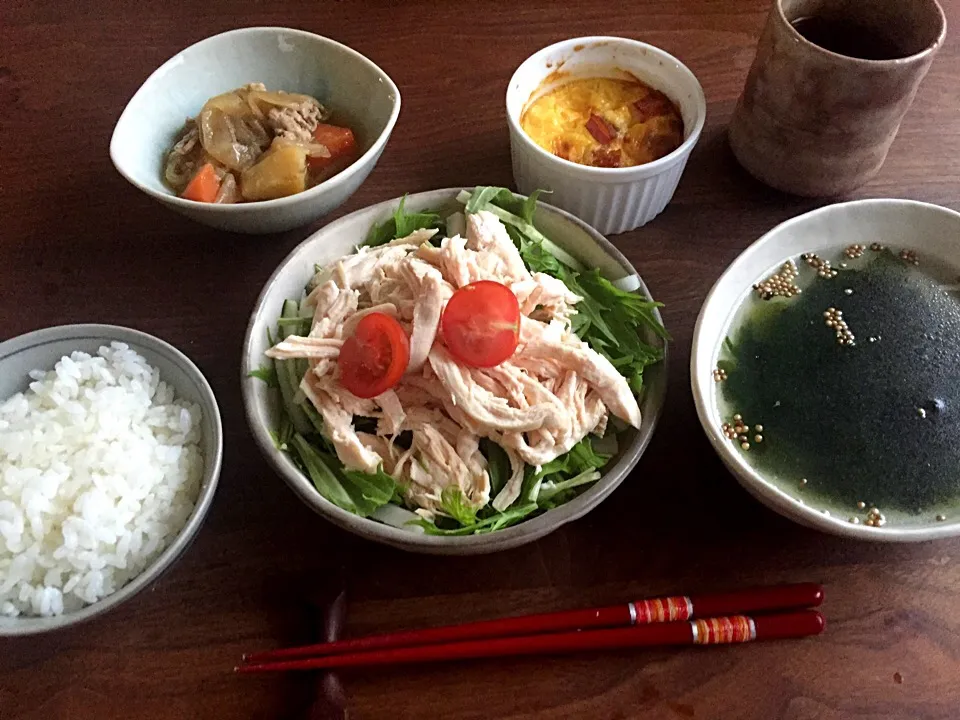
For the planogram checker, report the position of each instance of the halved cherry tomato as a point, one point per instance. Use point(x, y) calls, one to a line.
point(481, 323)
point(375, 357)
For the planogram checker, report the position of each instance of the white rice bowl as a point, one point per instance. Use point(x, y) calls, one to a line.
point(100, 468)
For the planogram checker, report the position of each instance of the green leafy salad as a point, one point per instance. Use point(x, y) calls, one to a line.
point(452, 444)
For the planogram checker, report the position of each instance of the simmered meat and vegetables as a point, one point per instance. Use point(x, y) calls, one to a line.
point(255, 144)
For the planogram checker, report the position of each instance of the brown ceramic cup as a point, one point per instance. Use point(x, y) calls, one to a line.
point(815, 122)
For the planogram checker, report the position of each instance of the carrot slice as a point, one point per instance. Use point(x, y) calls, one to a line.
point(338, 140)
point(204, 186)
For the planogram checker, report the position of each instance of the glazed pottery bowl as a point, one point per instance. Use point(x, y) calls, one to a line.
point(282, 59)
point(815, 122)
point(341, 238)
point(932, 232)
point(42, 349)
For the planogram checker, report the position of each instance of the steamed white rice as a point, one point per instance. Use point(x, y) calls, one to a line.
point(100, 467)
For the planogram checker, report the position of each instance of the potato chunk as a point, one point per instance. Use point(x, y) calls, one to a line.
point(281, 171)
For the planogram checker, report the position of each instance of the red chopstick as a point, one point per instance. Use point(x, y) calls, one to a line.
point(710, 631)
point(642, 612)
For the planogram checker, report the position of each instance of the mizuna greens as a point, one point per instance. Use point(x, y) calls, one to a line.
point(613, 322)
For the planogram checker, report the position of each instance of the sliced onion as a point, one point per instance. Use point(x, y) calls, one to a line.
point(233, 140)
point(234, 131)
point(252, 131)
point(316, 150)
point(398, 517)
point(178, 171)
point(229, 192)
point(255, 107)
point(606, 445)
point(232, 103)
point(278, 98)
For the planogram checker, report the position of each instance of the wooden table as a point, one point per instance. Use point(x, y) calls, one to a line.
point(77, 243)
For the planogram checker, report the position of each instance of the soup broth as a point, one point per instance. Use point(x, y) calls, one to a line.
point(842, 380)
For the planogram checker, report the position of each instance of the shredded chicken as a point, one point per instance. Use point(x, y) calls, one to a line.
point(572, 353)
point(543, 297)
point(338, 423)
point(488, 236)
point(434, 293)
point(537, 405)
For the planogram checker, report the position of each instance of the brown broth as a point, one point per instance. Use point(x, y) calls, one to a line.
point(848, 37)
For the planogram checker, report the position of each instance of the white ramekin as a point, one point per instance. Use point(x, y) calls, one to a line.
point(613, 200)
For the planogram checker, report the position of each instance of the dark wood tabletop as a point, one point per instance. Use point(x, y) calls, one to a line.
point(77, 243)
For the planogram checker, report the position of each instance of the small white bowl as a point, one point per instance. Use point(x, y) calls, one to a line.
point(342, 237)
point(283, 59)
point(613, 200)
point(41, 350)
point(932, 231)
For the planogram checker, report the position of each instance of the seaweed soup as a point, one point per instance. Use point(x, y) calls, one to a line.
point(839, 381)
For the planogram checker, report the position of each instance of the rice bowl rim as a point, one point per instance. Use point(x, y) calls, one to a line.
point(138, 341)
